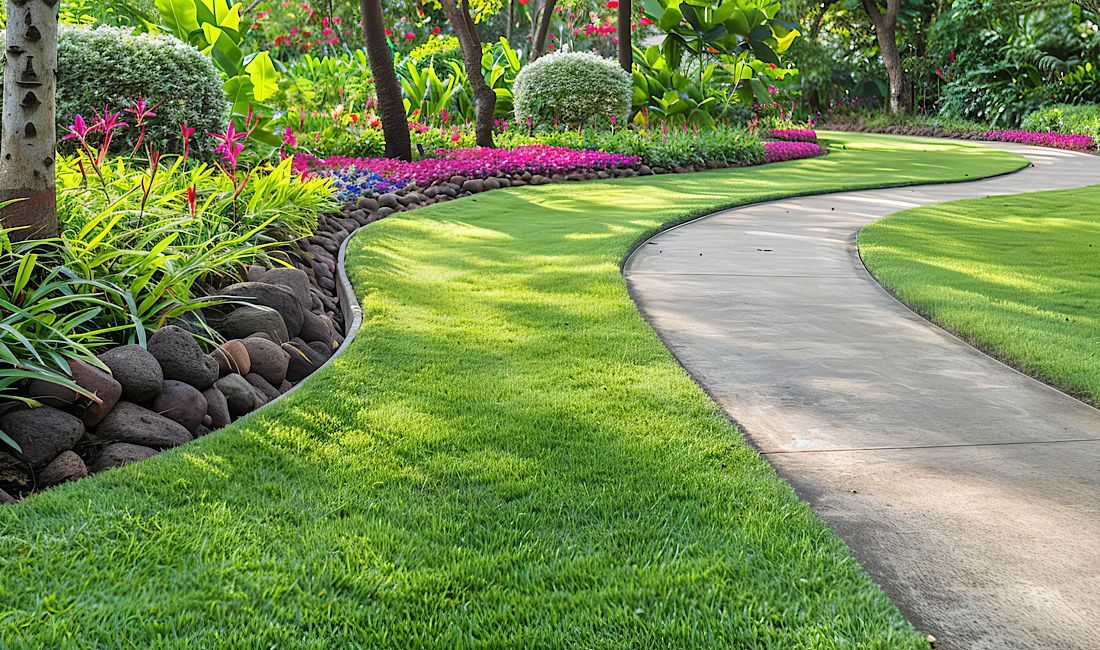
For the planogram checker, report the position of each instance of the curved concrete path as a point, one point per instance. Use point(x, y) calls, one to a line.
point(968, 490)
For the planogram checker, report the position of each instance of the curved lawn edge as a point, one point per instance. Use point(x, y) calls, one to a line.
point(401, 494)
point(1013, 327)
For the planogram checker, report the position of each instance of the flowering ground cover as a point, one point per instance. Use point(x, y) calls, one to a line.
point(364, 176)
point(507, 455)
point(795, 135)
point(1054, 140)
point(781, 150)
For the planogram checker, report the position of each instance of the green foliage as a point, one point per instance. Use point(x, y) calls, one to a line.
point(1062, 118)
point(112, 66)
point(320, 92)
point(738, 33)
point(216, 28)
point(574, 88)
point(1011, 62)
point(664, 93)
point(439, 83)
point(134, 228)
point(48, 316)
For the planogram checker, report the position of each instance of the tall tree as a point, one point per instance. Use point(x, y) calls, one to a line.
point(485, 100)
point(391, 108)
point(886, 31)
point(626, 41)
point(542, 29)
point(28, 147)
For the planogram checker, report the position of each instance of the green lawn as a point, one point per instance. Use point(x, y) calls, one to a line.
point(1016, 276)
point(506, 456)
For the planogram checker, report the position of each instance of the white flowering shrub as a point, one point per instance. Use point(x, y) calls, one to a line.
point(574, 89)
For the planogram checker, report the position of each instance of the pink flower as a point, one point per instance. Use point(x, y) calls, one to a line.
point(410, 36)
point(78, 131)
point(779, 151)
point(229, 147)
point(288, 138)
point(142, 111)
point(795, 135)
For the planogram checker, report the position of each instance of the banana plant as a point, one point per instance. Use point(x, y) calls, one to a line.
point(215, 28)
point(732, 32)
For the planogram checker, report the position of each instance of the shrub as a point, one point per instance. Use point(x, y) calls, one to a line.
point(1080, 120)
point(781, 150)
point(573, 88)
point(111, 66)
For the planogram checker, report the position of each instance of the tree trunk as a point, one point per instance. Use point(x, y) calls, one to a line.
point(538, 43)
point(29, 142)
point(886, 32)
point(626, 52)
point(485, 100)
point(511, 20)
point(391, 108)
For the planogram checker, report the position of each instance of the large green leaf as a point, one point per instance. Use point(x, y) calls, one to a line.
point(179, 16)
point(265, 81)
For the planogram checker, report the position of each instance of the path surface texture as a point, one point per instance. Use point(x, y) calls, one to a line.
point(969, 491)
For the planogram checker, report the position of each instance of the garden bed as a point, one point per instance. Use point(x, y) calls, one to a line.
point(275, 327)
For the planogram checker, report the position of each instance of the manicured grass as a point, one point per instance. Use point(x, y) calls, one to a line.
point(506, 456)
point(1016, 276)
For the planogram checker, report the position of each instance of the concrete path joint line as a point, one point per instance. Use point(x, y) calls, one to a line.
point(986, 532)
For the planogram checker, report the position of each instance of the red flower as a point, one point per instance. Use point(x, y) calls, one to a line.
point(192, 200)
point(410, 36)
point(612, 4)
point(436, 30)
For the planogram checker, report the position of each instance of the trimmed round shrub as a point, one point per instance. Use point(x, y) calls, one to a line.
point(110, 66)
point(575, 88)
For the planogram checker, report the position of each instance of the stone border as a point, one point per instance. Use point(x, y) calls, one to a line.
point(349, 307)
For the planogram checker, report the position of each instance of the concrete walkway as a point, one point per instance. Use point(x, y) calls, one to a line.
point(969, 491)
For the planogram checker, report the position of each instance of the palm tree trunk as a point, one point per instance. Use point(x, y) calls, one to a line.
point(485, 100)
point(625, 49)
point(538, 43)
point(391, 108)
point(27, 172)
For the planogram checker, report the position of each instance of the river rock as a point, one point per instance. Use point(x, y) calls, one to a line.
point(181, 403)
point(181, 358)
point(136, 370)
point(131, 423)
point(119, 454)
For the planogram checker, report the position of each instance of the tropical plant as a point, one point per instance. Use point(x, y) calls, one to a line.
point(48, 316)
point(216, 29)
point(733, 33)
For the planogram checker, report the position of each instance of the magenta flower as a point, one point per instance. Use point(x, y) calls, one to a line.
point(1054, 140)
point(142, 111)
point(78, 131)
point(780, 150)
point(288, 138)
point(795, 135)
point(108, 123)
point(229, 147)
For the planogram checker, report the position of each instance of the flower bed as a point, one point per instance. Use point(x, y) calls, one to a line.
point(1053, 140)
point(795, 135)
point(780, 150)
point(365, 176)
